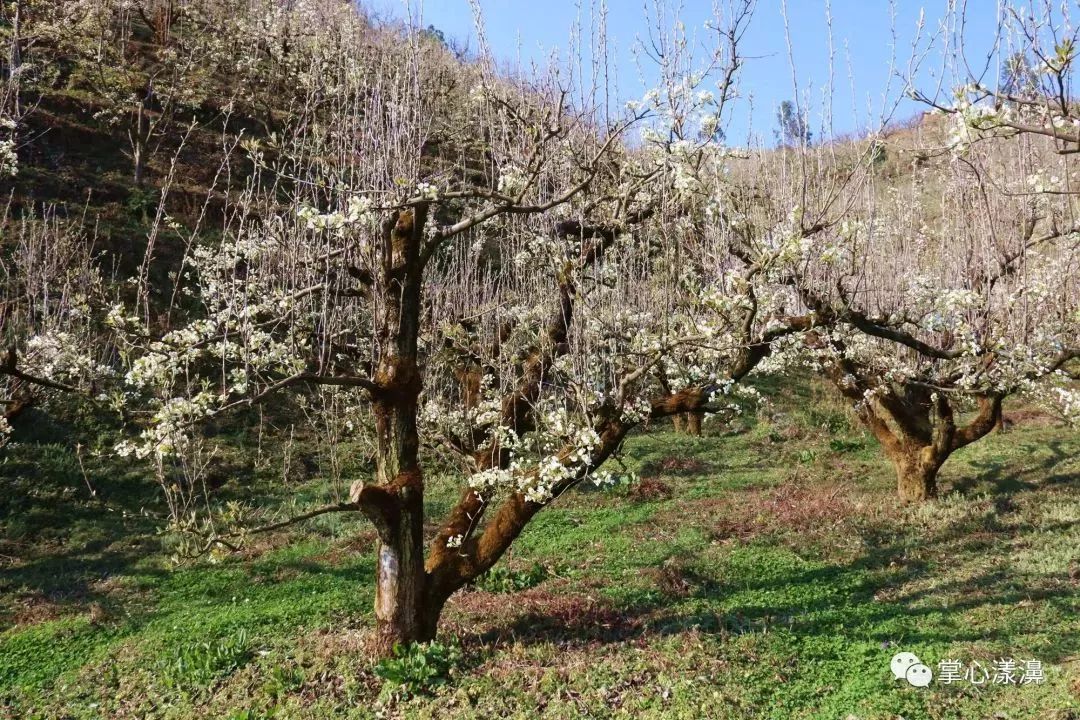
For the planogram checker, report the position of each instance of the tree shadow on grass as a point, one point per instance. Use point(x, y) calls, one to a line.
point(67, 525)
point(999, 477)
point(71, 524)
point(885, 595)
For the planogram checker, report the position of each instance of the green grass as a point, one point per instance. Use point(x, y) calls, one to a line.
point(762, 571)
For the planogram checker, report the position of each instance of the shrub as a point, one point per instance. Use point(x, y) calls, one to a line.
point(842, 446)
point(832, 420)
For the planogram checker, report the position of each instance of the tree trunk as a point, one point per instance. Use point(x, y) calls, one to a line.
point(138, 144)
point(137, 176)
point(693, 423)
point(404, 612)
point(162, 23)
point(401, 611)
point(916, 475)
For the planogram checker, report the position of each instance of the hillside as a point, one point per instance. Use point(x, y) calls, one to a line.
point(347, 375)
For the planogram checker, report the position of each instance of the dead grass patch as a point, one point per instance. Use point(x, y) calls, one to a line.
point(34, 608)
point(672, 578)
point(649, 489)
point(328, 643)
point(538, 616)
point(257, 545)
point(675, 465)
point(795, 506)
point(1029, 416)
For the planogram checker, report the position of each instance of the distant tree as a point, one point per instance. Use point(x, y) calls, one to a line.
point(53, 345)
point(144, 97)
point(792, 126)
point(434, 33)
point(1019, 78)
point(928, 338)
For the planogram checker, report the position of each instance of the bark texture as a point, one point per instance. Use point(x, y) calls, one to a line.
point(916, 426)
point(916, 474)
point(403, 610)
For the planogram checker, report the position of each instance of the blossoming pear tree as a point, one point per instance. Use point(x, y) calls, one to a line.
point(951, 291)
point(488, 267)
point(959, 288)
point(54, 345)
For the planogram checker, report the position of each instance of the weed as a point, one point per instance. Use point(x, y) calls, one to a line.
point(506, 580)
point(282, 679)
point(418, 668)
point(840, 445)
point(192, 667)
point(249, 714)
point(832, 420)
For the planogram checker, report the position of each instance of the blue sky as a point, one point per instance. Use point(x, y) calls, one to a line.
point(862, 36)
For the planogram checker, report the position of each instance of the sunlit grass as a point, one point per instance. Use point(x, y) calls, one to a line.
point(766, 573)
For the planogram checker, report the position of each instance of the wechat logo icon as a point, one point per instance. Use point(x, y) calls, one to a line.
point(907, 666)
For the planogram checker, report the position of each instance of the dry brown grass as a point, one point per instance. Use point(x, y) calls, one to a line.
point(792, 507)
point(649, 489)
point(538, 615)
point(34, 608)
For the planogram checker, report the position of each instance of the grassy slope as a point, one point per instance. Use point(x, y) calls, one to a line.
point(766, 573)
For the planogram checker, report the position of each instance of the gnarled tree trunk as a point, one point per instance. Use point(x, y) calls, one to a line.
point(405, 609)
point(916, 473)
point(401, 613)
point(915, 426)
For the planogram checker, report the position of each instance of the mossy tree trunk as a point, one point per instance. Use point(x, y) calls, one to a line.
point(395, 503)
point(411, 591)
point(915, 425)
point(916, 474)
